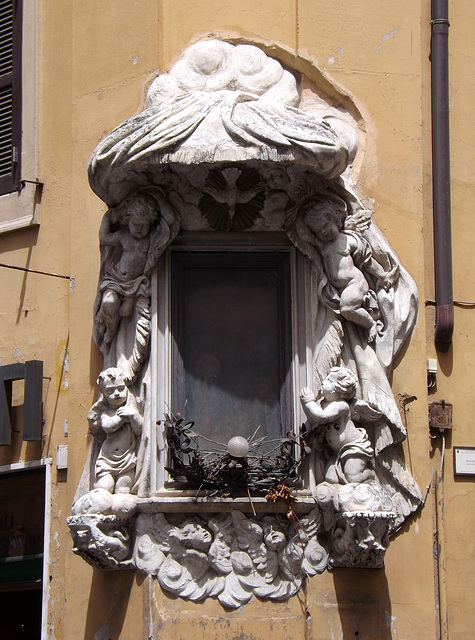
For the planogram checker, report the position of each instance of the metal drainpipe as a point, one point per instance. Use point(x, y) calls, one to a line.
point(444, 311)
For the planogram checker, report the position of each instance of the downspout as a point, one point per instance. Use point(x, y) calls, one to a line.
point(444, 306)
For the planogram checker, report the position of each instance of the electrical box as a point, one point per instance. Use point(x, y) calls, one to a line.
point(440, 415)
point(431, 365)
point(62, 456)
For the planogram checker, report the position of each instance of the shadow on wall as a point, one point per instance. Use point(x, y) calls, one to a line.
point(96, 365)
point(108, 603)
point(12, 243)
point(364, 613)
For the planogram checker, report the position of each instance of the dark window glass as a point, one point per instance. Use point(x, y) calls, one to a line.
point(21, 520)
point(20, 612)
point(231, 331)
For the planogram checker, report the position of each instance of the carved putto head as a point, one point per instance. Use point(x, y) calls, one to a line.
point(317, 217)
point(341, 381)
point(138, 212)
point(194, 535)
point(324, 214)
point(274, 529)
point(112, 386)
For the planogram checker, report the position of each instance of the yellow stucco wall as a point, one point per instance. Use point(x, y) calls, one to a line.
point(96, 60)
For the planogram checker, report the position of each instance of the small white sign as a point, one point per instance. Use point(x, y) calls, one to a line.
point(464, 461)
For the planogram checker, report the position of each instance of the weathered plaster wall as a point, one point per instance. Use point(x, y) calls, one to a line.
point(455, 380)
point(383, 73)
point(96, 61)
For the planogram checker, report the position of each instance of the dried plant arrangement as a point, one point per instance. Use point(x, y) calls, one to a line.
point(235, 468)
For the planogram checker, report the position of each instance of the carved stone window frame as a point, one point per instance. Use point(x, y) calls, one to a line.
point(231, 156)
point(163, 488)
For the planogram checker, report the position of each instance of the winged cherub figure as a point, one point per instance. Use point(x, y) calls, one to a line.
point(347, 258)
point(135, 233)
point(334, 412)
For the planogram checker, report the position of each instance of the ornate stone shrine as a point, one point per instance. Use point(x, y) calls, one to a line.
point(234, 144)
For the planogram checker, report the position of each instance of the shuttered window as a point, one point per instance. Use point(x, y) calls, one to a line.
point(10, 94)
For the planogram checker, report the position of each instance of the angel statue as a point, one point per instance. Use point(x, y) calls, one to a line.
point(352, 458)
point(347, 257)
point(356, 507)
point(116, 423)
point(132, 236)
point(359, 499)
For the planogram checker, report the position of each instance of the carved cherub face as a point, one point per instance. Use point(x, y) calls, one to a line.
point(114, 391)
point(195, 536)
point(324, 218)
point(138, 212)
point(277, 178)
point(139, 227)
point(329, 391)
point(274, 537)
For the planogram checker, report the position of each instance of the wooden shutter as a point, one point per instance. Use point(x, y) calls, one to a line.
point(10, 94)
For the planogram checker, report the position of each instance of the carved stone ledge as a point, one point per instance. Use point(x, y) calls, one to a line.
point(227, 556)
point(190, 502)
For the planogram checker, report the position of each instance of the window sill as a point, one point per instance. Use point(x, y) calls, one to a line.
point(19, 209)
point(190, 502)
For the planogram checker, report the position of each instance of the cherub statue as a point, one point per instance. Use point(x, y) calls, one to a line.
point(135, 232)
point(263, 542)
point(195, 535)
point(115, 421)
point(347, 257)
point(353, 454)
point(276, 531)
point(186, 564)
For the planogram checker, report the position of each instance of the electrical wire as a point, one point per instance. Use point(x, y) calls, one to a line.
point(41, 273)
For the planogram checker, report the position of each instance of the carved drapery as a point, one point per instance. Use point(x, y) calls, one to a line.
point(228, 143)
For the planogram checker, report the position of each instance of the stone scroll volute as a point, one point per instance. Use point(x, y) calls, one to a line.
point(228, 143)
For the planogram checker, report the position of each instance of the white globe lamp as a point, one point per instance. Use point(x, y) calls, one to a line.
point(238, 447)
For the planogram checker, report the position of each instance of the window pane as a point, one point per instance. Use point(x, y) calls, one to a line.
point(231, 328)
